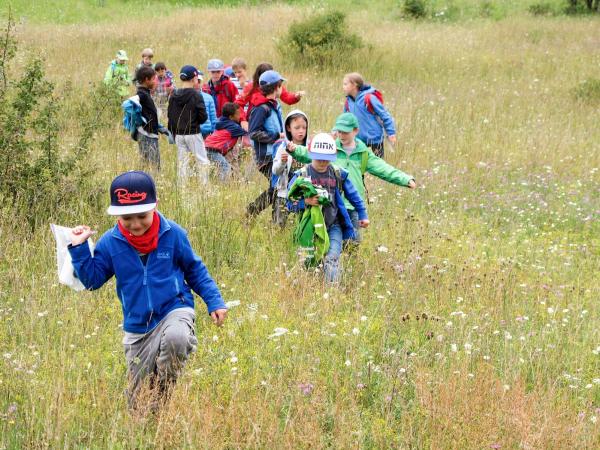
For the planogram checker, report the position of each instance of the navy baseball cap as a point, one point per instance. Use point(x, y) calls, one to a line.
point(187, 73)
point(132, 192)
point(270, 77)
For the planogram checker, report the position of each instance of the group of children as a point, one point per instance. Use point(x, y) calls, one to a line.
point(151, 257)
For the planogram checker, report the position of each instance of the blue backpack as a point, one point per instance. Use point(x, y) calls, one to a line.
point(132, 115)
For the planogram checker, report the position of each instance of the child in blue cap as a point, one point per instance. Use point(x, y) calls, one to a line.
point(156, 270)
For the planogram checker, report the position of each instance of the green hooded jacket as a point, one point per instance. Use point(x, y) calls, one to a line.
point(310, 233)
point(353, 164)
point(117, 75)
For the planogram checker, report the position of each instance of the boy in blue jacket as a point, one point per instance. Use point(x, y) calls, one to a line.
point(322, 150)
point(265, 128)
point(156, 270)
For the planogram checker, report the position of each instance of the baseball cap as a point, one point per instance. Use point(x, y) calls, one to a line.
point(148, 52)
point(214, 65)
point(132, 192)
point(122, 55)
point(346, 122)
point(187, 73)
point(229, 71)
point(322, 148)
point(270, 77)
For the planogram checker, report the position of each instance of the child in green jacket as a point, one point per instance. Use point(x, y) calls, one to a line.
point(355, 157)
point(117, 74)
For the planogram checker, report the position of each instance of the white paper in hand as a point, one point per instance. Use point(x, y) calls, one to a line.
point(66, 274)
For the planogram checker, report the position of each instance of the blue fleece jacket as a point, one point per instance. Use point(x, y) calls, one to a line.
point(371, 125)
point(148, 292)
point(209, 125)
point(264, 128)
point(344, 217)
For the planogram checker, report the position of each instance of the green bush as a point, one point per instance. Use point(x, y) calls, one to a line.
point(39, 179)
point(541, 9)
point(416, 9)
point(582, 6)
point(321, 40)
point(588, 91)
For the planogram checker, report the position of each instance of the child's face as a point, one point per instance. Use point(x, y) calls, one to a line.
point(150, 83)
point(347, 137)
point(147, 59)
point(216, 75)
point(297, 128)
point(237, 115)
point(161, 73)
point(240, 74)
point(320, 166)
point(137, 224)
point(349, 87)
point(278, 91)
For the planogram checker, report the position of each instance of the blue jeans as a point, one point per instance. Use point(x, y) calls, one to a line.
point(221, 162)
point(354, 218)
point(331, 263)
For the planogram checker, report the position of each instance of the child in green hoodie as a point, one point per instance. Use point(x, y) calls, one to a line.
point(354, 156)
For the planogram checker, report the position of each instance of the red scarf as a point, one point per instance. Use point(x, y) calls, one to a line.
point(148, 241)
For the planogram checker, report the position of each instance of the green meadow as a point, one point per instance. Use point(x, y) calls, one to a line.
point(469, 317)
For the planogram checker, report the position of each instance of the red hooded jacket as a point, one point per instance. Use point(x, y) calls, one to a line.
point(224, 91)
point(254, 97)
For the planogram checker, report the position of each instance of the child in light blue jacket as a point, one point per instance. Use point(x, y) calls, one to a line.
point(366, 103)
point(208, 127)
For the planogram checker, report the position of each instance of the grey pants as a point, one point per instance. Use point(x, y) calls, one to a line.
point(191, 144)
point(149, 150)
point(160, 354)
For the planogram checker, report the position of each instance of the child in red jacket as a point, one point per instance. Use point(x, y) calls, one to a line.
point(220, 87)
point(227, 132)
point(252, 96)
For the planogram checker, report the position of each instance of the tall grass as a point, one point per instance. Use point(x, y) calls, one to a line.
point(468, 318)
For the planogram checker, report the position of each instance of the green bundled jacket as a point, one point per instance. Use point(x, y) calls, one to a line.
point(310, 233)
point(117, 75)
point(354, 165)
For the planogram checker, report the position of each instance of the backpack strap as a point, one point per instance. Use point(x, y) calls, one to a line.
point(368, 103)
point(339, 179)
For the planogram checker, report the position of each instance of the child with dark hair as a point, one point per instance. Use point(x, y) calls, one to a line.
point(164, 88)
point(296, 131)
point(227, 132)
point(186, 113)
point(265, 128)
point(147, 135)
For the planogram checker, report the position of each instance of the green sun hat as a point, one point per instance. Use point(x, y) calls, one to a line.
point(346, 122)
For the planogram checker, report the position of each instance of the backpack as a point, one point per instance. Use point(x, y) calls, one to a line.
point(132, 115)
point(368, 103)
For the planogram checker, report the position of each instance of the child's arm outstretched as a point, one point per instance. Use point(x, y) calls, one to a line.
point(299, 153)
point(355, 200)
point(197, 276)
point(381, 169)
point(92, 271)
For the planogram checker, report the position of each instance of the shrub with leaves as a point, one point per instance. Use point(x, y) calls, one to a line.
point(541, 9)
point(416, 9)
point(321, 40)
point(38, 177)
